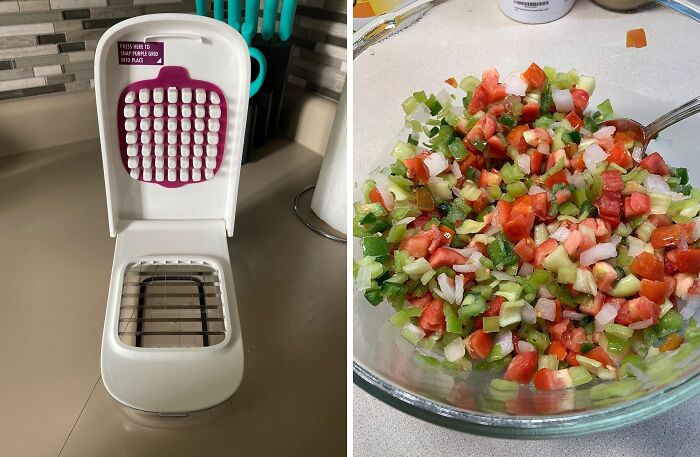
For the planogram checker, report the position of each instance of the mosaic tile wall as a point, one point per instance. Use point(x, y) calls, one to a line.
point(48, 46)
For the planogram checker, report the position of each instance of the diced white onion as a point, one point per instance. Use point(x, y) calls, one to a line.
point(524, 346)
point(572, 315)
point(504, 340)
point(387, 196)
point(535, 189)
point(363, 280)
point(615, 240)
point(526, 269)
point(543, 292)
point(578, 180)
point(561, 234)
point(691, 306)
point(641, 324)
point(455, 350)
point(464, 252)
point(436, 163)
point(599, 252)
point(447, 287)
point(502, 276)
point(515, 85)
point(546, 309)
point(543, 148)
point(656, 183)
point(528, 313)
point(696, 228)
point(563, 100)
point(593, 155)
point(434, 179)
point(604, 132)
point(637, 154)
point(466, 268)
point(584, 131)
point(406, 220)
point(524, 163)
point(606, 315)
point(636, 247)
point(455, 169)
point(459, 288)
point(411, 327)
point(420, 114)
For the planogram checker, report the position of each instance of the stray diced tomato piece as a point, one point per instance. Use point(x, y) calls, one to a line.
point(671, 342)
point(519, 227)
point(421, 302)
point(639, 309)
point(531, 111)
point(536, 162)
point(497, 148)
point(653, 290)
point(686, 260)
point(417, 169)
point(612, 180)
point(599, 354)
point(376, 197)
point(478, 344)
point(649, 266)
point(479, 101)
point(654, 163)
point(557, 349)
point(580, 97)
point(670, 235)
point(451, 81)
point(522, 367)
point(578, 163)
point(490, 178)
point(515, 138)
point(636, 38)
point(573, 337)
point(548, 379)
point(543, 250)
point(503, 208)
point(557, 178)
point(618, 155)
point(571, 358)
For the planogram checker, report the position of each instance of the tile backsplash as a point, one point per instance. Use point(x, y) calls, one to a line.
point(48, 46)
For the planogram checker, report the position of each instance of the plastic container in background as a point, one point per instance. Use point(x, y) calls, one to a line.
point(535, 11)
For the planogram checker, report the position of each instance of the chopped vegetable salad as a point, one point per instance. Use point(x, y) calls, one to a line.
point(518, 234)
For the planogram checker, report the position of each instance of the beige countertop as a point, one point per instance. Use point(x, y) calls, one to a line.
point(56, 259)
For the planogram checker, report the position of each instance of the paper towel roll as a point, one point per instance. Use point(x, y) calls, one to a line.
point(329, 201)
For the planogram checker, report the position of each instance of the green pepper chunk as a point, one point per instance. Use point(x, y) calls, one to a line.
point(375, 246)
point(374, 296)
point(501, 251)
point(507, 120)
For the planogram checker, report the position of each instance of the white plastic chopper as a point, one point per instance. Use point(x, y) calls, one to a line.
point(172, 96)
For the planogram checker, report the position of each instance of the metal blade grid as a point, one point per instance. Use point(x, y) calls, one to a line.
point(171, 304)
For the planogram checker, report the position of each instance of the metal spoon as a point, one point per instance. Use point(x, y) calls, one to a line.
point(646, 134)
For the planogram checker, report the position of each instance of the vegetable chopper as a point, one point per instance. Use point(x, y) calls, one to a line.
point(172, 96)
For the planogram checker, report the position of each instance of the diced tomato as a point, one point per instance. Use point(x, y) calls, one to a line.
point(557, 349)
point(534, 76)
point(417, 170)
point(422, 243)
point(519, 227)
point(571, 358)
point(654, 163)
point(609, 206)
point(432, 319)
point(660, 220)
point(480, 203)
point(580, 97)
point(421, 220)
point(447, 234)
point(526, 249)
point(515, 138)
point(479, 101)
point(622, 136)
point(497, 148)
point(637, 204)
point(649, 266)
point(653, 290)
point(451, 81)
point(577, 162)
point(446, 257)
point(636, 38)
point(503, 208)
point(669, 267)
point(522, 367)
point(531, 111)
point(543, 250)
point(573, 337)
point(556, 178)
point(548, 379)
point(376, 197)
point(497, 110)
point(536, 162)
point(494, 308)
point(475, 159)
point(478, 344)
point(574, 120)
point(670, 235)
point(593, 307)
point(422, 302)
point(612, 180)
point(489, 80)
point(490, 178)
point(636, 310)
point(557, 329)
point(539, 203)
point(686, 260)
point(618, 154)
point(599, 354)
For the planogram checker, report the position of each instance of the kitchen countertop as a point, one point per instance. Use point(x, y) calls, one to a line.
point(472, 36)
point(56, 259)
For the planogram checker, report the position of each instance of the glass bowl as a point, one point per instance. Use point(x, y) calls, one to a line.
point(389, 367)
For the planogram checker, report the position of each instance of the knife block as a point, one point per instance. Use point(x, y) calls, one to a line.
point(264, 108)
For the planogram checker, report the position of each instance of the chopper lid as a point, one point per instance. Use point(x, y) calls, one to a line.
point(172, 99)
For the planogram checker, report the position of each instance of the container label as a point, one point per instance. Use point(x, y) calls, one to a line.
point(140, 53)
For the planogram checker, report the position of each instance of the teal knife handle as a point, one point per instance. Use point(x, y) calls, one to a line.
point(219, 10)
point(269, 19)
point(257, 83)
point(252, 11)
point(234, 14)
point(287, 18)
point(201, 7)
point(248, 32)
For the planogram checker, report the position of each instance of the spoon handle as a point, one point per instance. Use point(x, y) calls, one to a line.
point(673, 116)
